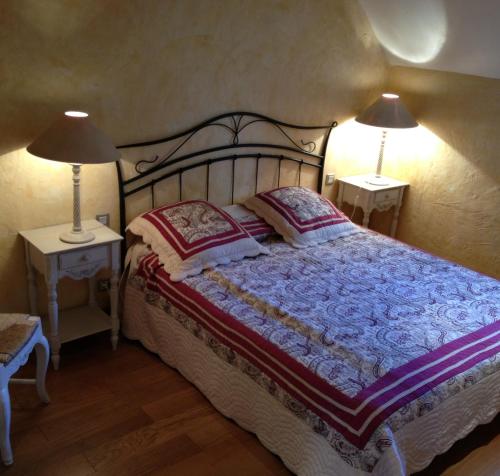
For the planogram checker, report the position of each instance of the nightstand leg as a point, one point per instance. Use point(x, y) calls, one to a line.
point(115, 323)
point(340, 195)
point(366, 217)
point(395, 217)
point(394, 224)
point(31, 281)
point(55, 344)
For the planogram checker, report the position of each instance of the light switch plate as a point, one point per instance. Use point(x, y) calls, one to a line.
point(330, 178)
point(103, 218)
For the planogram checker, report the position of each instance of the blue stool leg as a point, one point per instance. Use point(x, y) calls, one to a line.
point(42, 361)
point(5, 447)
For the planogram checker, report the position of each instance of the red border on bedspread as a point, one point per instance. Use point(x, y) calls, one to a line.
point(356, 418)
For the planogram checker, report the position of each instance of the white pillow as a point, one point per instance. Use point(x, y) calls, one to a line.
point(194, 235)
point(255, 225)
point(303, 217)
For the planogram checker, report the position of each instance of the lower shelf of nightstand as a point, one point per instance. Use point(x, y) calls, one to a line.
point(80, 322)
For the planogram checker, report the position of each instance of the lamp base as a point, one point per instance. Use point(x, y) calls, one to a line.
point(377, 180)
point(77, 236)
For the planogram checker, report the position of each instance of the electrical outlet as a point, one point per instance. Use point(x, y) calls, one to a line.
point(330, 178)
point(103, 218)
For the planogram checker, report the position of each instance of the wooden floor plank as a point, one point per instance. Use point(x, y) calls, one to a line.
point(76, 465)
point(226, 457)
point(149, 458)
point(127, 413)
point(482, 461)
point(178, 401)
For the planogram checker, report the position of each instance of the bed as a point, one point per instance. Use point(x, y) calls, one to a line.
point(356, 356)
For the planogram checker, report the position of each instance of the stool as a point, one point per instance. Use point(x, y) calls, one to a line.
point(19, 334)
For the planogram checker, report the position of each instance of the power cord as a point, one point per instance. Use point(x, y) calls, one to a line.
point(355, 204)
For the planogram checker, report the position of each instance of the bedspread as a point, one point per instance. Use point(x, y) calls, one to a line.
point(355, 336)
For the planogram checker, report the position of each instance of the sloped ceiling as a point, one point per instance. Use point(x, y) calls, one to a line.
point(461, 36)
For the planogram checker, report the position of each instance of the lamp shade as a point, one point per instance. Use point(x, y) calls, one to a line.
point(387, 112)
point(73, 138)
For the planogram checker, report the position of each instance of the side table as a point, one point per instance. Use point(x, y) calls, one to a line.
point(358, 192)
point(55, 259)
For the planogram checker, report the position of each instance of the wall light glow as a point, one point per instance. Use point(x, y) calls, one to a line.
point(414, 31)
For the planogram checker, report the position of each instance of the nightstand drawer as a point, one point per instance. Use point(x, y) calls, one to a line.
point(83, 257)
point(387, 195)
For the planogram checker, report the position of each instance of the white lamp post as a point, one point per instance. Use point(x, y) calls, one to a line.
point(387, 112)
point(75, 140)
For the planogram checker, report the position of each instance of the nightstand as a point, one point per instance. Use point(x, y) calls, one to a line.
point(356, 191)
point(55, 259)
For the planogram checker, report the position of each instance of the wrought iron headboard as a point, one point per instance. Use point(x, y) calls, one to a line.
point(150, 172)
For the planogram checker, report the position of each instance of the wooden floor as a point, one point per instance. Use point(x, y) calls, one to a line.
point(127, 413)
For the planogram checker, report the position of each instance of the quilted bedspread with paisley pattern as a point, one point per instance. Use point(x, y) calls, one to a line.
point(351, 335)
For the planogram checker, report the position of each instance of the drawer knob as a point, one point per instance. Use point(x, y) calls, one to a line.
point(84, 258)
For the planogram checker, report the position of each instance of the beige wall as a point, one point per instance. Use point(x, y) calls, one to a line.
point(148, 68)
point(453, 164)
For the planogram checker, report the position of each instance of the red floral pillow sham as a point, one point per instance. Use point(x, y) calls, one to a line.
point(193, 235)
point(303, 217)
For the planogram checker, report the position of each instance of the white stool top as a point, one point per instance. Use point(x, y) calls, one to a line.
point(15, 332)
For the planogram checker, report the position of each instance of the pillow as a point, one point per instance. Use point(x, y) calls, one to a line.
point(193, 235)
point(256, 226)
point(302, 216)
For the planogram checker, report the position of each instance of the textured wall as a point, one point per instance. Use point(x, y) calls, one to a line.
point(148, 68)
point(453, 164)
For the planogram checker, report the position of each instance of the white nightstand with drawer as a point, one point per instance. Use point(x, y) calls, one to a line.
point(358, 192)
point(55, 259)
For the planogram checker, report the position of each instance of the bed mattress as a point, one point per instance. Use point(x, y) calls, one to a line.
point(363, 344)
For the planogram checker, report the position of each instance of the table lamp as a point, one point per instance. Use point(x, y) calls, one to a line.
point(75, 140)
point(387, 112)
